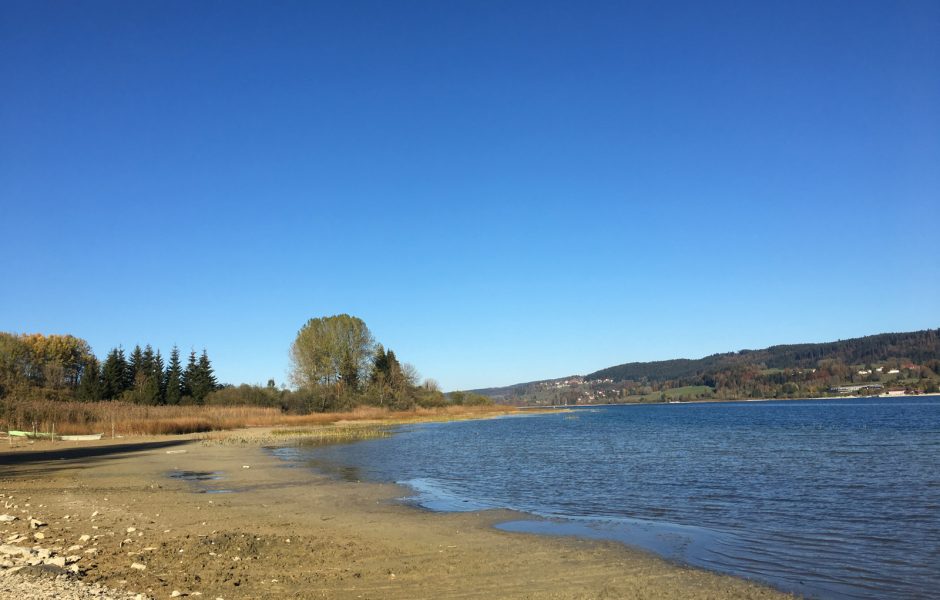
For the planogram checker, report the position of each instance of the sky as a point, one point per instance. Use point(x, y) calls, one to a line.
point(503, 191)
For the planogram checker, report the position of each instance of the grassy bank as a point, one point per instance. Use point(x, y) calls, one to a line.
point(130, 419)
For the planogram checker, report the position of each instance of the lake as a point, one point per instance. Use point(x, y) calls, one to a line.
point(826, 498)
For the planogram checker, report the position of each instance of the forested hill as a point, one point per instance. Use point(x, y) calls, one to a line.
point(907, 363)
point(918, 347)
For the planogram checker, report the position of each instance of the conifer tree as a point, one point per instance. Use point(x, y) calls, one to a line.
point(394, 371)
point(89, 388)
point(114, 375)
point(386, 368)
point(190, 375)
point(204, 381)
point(146, 361)
point(133, 368)
point(174, 376)
point(208, 373)
point(379, 364)
point(146, 382)
point(156, 373)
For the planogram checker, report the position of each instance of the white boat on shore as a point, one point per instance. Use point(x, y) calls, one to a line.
point(81, 438)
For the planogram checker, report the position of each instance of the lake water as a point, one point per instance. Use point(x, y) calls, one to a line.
point(826, 498)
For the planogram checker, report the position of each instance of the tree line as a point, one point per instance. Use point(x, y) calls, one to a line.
point(900, 362)
point(142, 378)
point(916, 347)
point(337, 364)
point(63, 367)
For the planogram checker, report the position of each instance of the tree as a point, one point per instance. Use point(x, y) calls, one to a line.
point(392, 383)
point(54, 361)
point(203, 380)
point(147, 369)
point(189, 376)
point(14, 358)
point(89, 387)
point(173, 380)
point(114, 375)
point(134, 367)
point(331, 350)
point(156, 374)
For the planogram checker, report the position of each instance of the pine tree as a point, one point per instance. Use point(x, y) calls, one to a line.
point(395, 376)
point(156, 373)
point(146, 361)
point(190, 375)
point(146, 383)
point(114, 375)
point(204, 381)
point(379, 365)
point(174, 375)
point(89, 388)
point(133, 368)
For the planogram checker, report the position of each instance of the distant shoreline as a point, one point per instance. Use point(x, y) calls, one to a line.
point(721, 400)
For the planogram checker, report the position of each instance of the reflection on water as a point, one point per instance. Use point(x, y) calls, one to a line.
point(833, 499)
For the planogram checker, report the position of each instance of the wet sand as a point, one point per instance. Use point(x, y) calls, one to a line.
point(283, 531)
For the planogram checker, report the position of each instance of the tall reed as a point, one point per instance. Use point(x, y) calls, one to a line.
point(133, 419)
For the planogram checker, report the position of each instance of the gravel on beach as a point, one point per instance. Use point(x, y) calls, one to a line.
point(32, 583)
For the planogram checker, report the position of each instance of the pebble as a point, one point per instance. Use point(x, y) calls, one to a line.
point(30, 586)
point(58, 561)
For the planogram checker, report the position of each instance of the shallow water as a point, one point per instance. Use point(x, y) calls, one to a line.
point(195, 475)
point(827, 498)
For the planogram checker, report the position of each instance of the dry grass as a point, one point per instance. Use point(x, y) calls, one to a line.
point(318, 434)
point(131, 419)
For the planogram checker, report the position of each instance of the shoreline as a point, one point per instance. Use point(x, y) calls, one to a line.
point(279, 530)
point(723, 401)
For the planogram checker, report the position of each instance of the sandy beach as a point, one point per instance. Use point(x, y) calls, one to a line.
point(281, 531)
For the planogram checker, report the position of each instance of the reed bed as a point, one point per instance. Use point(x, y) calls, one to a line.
point(125, 419)
point(320, 434)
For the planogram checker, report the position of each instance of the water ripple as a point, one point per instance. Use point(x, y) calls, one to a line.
point(830, 499)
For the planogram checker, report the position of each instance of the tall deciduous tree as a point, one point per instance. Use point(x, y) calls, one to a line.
point(14, 358)
point(54, 361)
point(336, 349)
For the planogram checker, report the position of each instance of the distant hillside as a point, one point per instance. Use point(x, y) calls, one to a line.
point(518, 389)
point(917, 347)
point(889, 362)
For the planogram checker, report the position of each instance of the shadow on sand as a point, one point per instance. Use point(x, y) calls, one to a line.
point(24, 463)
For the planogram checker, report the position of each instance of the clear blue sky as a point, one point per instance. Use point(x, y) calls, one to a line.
point(503, 191)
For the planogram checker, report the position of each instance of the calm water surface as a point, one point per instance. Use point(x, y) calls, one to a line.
point(826, 498)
